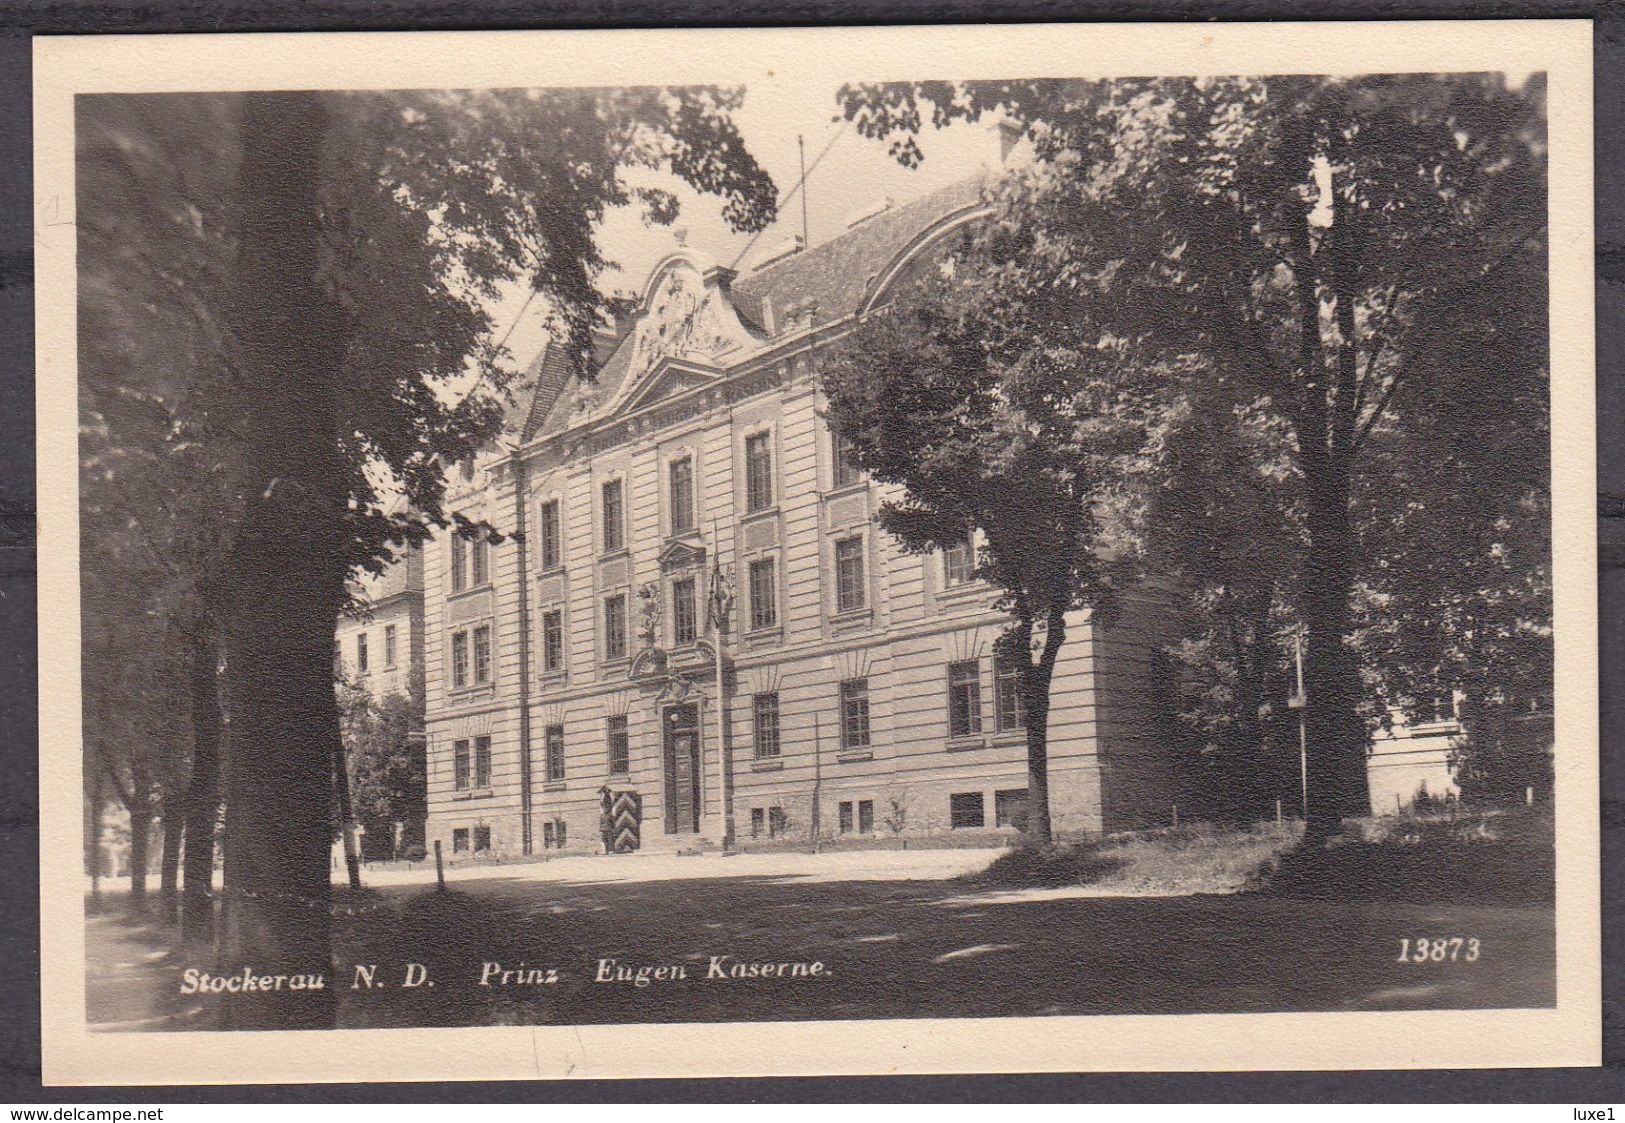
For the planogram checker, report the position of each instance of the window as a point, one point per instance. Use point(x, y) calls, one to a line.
point(459, 659)
point(482, 839)
point(459, 840)
point(855, 714)
point(965, 811)
point(482, 762)
point(680, 478)
point(863, 822)
point(615, 626)
point(777, 822)
point(547, 835)
point(361, 653)
point(553, 747)
point(553, 640)
point(1010, 808)
point(459, 563)
point(846, 464)
point(958, 562)
point(764, 710)
point(459, 765)
point(964, 698)
point(764, 594)
point(849, 591)
point(389, 645)
point(1011, 711)
point(757, 820)
point(620, 745)
point(552, 544)
point(614, 517)
point(758, 472)
point(482, 654)
point(684, 613)
point(480, 551)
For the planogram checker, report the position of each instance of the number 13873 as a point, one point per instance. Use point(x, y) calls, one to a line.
point(1438, 949)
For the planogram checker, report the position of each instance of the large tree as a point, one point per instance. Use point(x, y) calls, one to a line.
point(1323, 248)
point(990, 405)
point(367, 236)
point(372, 232)
point(156, 505)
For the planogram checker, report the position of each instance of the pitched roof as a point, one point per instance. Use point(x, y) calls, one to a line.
point(835, 277)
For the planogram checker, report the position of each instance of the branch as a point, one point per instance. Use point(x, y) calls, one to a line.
point(1440, 296)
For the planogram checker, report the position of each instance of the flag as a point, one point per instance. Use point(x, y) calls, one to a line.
point(721, 596)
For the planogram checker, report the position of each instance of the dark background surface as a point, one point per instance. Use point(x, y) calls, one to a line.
point(19, 809)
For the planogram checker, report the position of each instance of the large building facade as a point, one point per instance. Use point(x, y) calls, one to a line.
point(855, 691)
point(379, 645)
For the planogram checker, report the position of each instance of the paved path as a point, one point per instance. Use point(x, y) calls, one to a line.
point(131, 977)
point(835, 865)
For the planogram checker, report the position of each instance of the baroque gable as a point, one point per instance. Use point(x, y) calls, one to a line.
point(685, 332)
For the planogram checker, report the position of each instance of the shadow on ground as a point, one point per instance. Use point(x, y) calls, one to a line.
point(1324, 934)
point(1504, 859)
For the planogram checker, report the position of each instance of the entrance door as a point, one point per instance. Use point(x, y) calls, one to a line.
point(682, 725)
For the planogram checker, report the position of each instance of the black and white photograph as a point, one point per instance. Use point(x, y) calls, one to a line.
point(1001, 546)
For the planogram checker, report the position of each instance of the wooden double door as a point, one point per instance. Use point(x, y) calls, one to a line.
point(681, 727)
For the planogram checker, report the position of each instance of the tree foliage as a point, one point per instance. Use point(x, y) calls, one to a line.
point(387, 757)
point(1340, 255)
point(321, 267)
point(994, 405)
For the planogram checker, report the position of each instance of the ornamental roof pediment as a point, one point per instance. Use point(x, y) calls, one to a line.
point(685, 330)
point(667, 379)
point(681, 555)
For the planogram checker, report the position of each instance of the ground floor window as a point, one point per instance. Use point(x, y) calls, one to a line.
point(553, 751)
point(459, 840)
point(777, 822)
point(965, 811)
point(620, 746)
point(482, 838)
point(857, 816)
point(1010, 808)
point(758, 818)
point(553, 835)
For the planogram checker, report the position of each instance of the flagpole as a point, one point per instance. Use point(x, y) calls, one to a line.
point(720, 599)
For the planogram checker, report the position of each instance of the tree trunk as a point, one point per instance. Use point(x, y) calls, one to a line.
point(202, 793)
point(1036, 678)
point(140, 833)
point(1338, 787)
point(93, 834)
point(341, 781)
point(1337, 784)
point(169, 869)
point(286, 573)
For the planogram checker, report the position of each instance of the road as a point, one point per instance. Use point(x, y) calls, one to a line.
point(894, 945)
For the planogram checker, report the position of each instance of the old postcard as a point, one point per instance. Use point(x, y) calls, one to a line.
point(817, 551)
